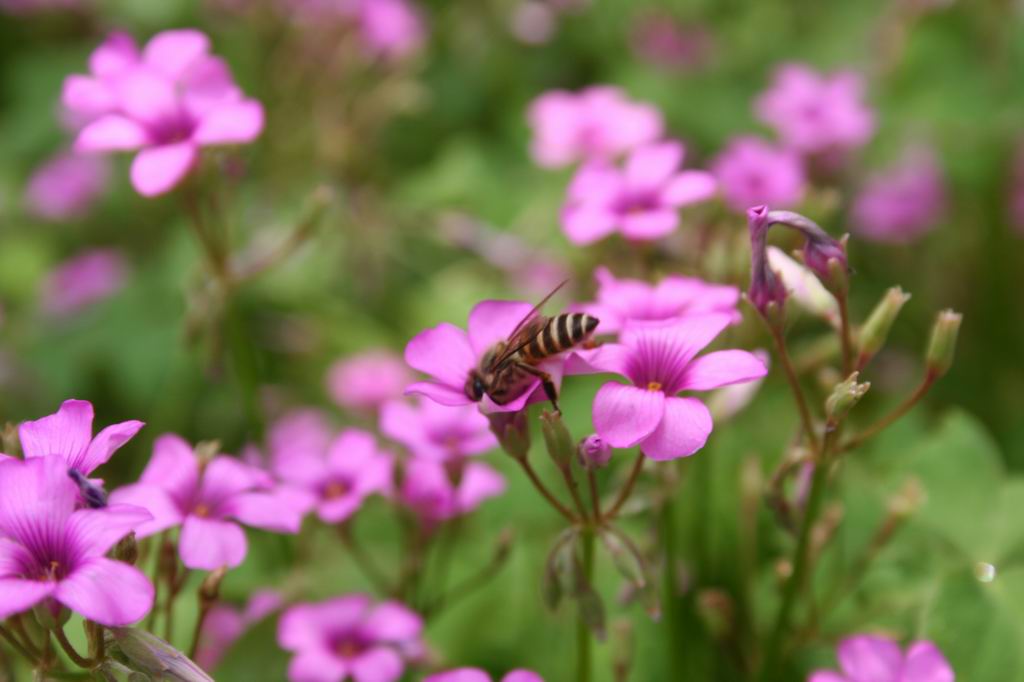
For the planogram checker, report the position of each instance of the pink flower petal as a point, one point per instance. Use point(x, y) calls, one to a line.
point(338, 509)
point(147, 96)
point(439, 393)
point(352, 450)
point(115, 54)
point(316, 665)
point(392, 622)
point(380, 664)
point(172, 52)
point(679, 340)
point(164, 511)
point(223, 478)
point(479, 482)
point(17, 595)
point(107, 442)
point(722, 368)
point(625, 415)
point(925, 663)
point(86, 96)
point(650, 166)
point(209, 544)
point(683, 431)
point(826, 676)
point(38, 497)
point(173, 467)
point(107, 591)
point(867, 657)
point(586, 224)
point(689, 187)
point(230, 123)
point(493, 321)
point(460, 675)
point(649, 225)
point(66, 433)
point(522, 676)
point(302, 626)
point(157, 170)
point(443, 352)
point(91, 532)
point(264, 510)
point(596, 184)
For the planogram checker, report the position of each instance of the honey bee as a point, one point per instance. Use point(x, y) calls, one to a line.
point(508, 368)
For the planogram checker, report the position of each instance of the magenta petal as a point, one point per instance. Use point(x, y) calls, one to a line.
point(867, 657)
point(443, 352)
point(173, 466)
point(107, 591)
point(683, 431)
point(106, 444)
point(493, 321)
point(722, 368)
point(17, 595)
point(648, 167)
point(625, 415)
point(826, 676)
point(111, 133)
point(478, 483)
point(339, 509)
point(86, 96)
point(91, 532)
point(439, 393)
point(157, 170)
point(522, 676)
point(380, 664)
point(172, 52)
point(231, 123)
point(460, 675)
point(316, 665)
point(37, 499)
point(302, 626)
point(925, 663)
point(65, 433)
point(585, 224)
point(157, 501)
point(689, 187)
point(351, 451)
point(223, 478)
point(264, 510)
point(647, 225)
point(392, 622)
point(209, 544)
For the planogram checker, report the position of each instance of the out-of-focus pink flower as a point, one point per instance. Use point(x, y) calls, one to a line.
point(752, 171)
point(620, 301)
point(724, 403)
point(225, 624)
point(641, 200)
point(83, 280)
point(87, 97)
point(390, 28)
point(349, 637)
point(303, 434)
point(66, 186)
point(533, 22)
point(438, 491)
point(337, 480)
point(478, 675)
point(435, 431)
point(865, 658)
point(593, 452)
point(902, 202)
point(596, 123)
point(448, 354)
point(367, 380)
point(206, 500)
point(168, 103)
point(814, 112)
point(659, 39)
point(67, 434)
point(659, 361)
point(53, 554)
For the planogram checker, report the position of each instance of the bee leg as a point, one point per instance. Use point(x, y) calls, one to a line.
point(546, 382)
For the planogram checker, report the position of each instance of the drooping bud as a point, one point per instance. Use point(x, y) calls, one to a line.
point(766, 292)
point(50, 615)
point(875, 331)
point(557, 439)
point(593, 452)
point(822, 253)
point(942, 345)
point(844, 396)
point(127, 549)
point(95, 497)
point(151, 655)
point(115, 671)
point(512, 431)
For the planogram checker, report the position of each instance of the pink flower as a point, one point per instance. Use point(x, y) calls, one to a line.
point(205, 500)
point(174, 100)
point(338, 479)
point(82, 281)
point(752, 171)
point(367, 380)
point(620, 301)
point(659, 360)
point(478, 675)
point(390, 28)
point(224, 624)
point(66, 186)
point(595, 123)
point(640, 200)
point(51, 551)
point(448, 354)
point(815, 113)
point(868, 658)
point(439, 491)
point(87, 97)
point(67, 434)
point(660, 39)
point(349, 637)
point(902, 202)
point(438, 432)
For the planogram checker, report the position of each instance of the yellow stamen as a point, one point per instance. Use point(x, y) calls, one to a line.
point(653, 386)
point(201, 510)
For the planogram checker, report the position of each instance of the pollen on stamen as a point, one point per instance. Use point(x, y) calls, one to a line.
point(201, 510)
point(653, 386)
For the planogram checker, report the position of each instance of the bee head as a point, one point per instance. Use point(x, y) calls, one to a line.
point(474, 388)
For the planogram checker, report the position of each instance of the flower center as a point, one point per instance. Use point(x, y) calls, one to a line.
point(202, 510)
point(653, 386)
point(334, 490)
point(349, 646)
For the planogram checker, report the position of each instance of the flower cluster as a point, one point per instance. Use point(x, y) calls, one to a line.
point(879, 659)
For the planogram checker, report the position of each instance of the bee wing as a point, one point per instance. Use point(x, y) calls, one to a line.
point(525, 330)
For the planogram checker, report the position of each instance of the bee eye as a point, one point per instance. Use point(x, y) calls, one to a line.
point(478, 388)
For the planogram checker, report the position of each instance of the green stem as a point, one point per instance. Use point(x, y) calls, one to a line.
point(887, 421)
point(844, 334)
point(584, 664)
point(9, 637)
point(794, 384)
point(365, 562)
point(76, 657)
point(676, 637)
point(627, 489)
point(543, 490)
point(595, 500)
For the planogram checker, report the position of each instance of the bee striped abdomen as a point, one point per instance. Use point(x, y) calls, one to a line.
point(560, 333)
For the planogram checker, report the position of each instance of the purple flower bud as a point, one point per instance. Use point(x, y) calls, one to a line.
point(820, 249)
point(95, 496)
point(593, 451)
point(765, 286)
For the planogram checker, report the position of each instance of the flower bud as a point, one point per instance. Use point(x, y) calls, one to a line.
point(766, 292)
point(822, 253)
point(50, 615)
point(942, 345)
point(592, 451)
point(209, 590)
point(151, 655)
point(875, 331)
point(623, 648)
point(127, 549)
point(512, 431)
point(844, 396)
point(557, 439)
